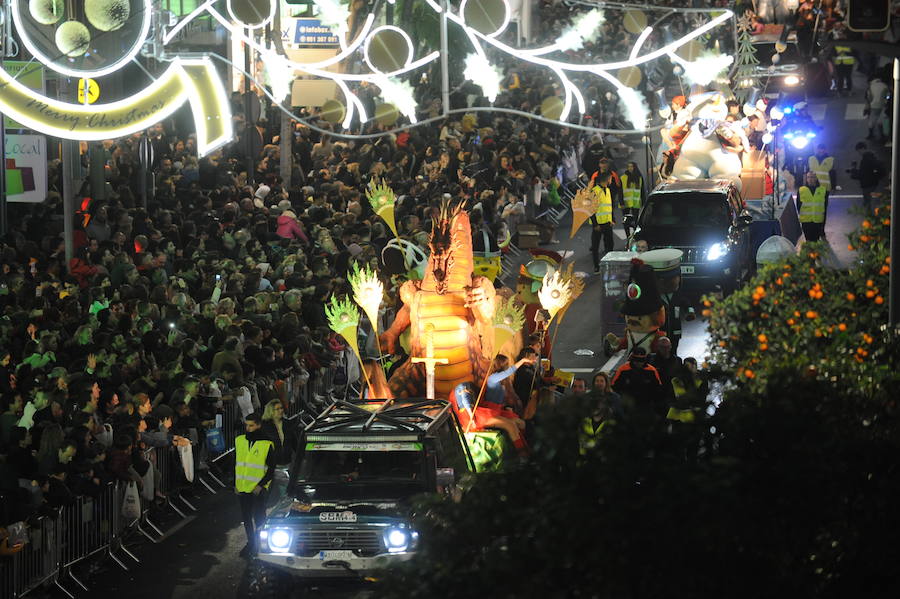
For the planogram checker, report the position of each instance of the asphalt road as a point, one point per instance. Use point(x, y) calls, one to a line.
point(199, 559)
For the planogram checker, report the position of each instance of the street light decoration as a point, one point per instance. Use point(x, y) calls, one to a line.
point(368, 292)
point(482, 22)
point(509, 318)
point(382, 199)
point(554, 293)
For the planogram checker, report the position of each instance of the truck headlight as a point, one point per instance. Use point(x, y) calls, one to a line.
point(396, 540)
point(716, 251)
point(279, 539)
point(792, 80)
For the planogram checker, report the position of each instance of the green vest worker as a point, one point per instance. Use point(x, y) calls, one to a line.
point(823, 166)
point(632, 196)
point(602, 222)
point(843, 66)
point(812, 203)
point(254, 467)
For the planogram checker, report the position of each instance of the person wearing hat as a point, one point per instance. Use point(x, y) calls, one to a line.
point(289, 227)
point(639, 381)
point(666, 263)
point(643, 310)
point(254, 468)
point(602, 219)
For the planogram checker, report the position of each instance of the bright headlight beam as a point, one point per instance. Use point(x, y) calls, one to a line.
point(792, 80)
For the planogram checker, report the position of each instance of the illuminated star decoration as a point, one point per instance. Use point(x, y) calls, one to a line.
point(399, 93)
point(584, 28)
point(705, 67)
point(554, 293)
point(509, 318)
point(281, 74)
point(334, 14)
point(382, 199)
point(483, 74)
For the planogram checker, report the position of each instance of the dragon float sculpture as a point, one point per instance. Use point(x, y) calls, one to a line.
point(449, 313)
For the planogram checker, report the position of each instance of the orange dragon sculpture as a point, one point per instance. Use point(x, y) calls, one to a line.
point(457, 303)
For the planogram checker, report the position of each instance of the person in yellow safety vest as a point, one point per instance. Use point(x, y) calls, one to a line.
point(602, 221)
point(632, 196)
point(823, 166)
point(254, 468)
point(812, 203)
point(690, 390)
point(843, 65)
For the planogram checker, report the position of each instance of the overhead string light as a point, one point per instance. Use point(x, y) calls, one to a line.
point(478, 67)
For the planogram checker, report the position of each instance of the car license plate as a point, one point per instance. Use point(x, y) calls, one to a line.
point(687, 270)
point(336, 554)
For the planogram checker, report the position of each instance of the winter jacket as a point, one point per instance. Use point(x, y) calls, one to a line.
point(289, 228)
point(82, 271)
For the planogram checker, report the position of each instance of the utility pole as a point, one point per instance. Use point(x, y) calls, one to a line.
point(445, 69)
point(70, 158)
point(249, 125)
point(286, 133)
point(894, 296)
point(4, 225)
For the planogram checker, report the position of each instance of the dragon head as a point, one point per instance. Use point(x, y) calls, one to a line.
point(450, 263)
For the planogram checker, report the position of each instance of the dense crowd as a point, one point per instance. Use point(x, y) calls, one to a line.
point(213, 287)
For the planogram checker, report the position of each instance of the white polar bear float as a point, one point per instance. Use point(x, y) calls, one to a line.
point(711, 149)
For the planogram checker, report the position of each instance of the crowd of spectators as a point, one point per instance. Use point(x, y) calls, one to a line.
point(211, 284)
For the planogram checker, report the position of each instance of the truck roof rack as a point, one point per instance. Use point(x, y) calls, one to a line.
point(363, 417)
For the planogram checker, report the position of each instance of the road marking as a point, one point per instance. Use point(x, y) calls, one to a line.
point(854, 112)
point(620, 234)
point(817, 111)
point(849, 196)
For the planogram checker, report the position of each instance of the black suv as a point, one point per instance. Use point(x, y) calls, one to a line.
point(347, 510)
point(706, 220)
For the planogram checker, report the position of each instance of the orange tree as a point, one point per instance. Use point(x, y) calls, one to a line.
point(815, 320)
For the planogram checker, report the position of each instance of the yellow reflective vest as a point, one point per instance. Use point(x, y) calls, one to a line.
point(631, 194)
point(812, 205)
point(822, 170)
point(680, 389)
point(250, 463)
point(604, 208)
point(843, 55)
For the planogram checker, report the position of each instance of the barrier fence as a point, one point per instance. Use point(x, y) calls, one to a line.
point(94, 525)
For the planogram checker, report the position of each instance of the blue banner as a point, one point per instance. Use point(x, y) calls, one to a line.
point(311, 32)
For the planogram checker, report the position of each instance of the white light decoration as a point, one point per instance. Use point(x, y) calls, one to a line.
point(483, 74)
point(62, 66)
point(192, 80)
point(635, 107)
point(333, 14)
point(478, 68)
point(585, 28)
point(399, 93)
point(705, 68)
point(280, 72)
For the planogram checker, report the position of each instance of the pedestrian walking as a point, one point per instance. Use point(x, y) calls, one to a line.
point(812, 203)
point(876, 100)
point(254, 468)
point(844, 62)
point(868, 171)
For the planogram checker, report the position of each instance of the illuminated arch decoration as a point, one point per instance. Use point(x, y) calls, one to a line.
point(96, 38)
point(483, 22)
point(186, 80)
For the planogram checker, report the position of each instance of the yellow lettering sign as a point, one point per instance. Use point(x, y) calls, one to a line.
point(186, 80)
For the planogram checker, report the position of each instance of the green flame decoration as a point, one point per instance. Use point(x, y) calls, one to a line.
point(509, 314)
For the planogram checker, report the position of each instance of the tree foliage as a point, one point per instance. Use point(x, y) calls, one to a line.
point(789, 488)
point(814, 320)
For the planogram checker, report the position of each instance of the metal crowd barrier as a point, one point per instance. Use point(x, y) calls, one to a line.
point(94, 525)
